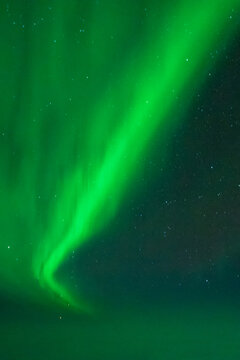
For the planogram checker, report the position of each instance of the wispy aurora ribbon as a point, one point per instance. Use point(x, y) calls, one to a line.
point(106, 141)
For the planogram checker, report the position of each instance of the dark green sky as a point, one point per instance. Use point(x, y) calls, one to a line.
point(119, 180)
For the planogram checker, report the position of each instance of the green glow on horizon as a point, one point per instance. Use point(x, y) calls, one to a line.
point(107, 140)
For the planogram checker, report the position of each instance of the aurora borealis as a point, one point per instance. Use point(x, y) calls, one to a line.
point(101, 101)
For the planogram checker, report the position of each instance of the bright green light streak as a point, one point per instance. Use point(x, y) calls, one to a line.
point(172, 64)
point(78, 112)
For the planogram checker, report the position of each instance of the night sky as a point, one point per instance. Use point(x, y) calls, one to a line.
point(120, 180)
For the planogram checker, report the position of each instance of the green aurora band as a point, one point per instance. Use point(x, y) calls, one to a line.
point(72, 136)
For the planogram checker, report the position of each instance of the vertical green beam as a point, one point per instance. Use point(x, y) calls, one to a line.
point(169, 63)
